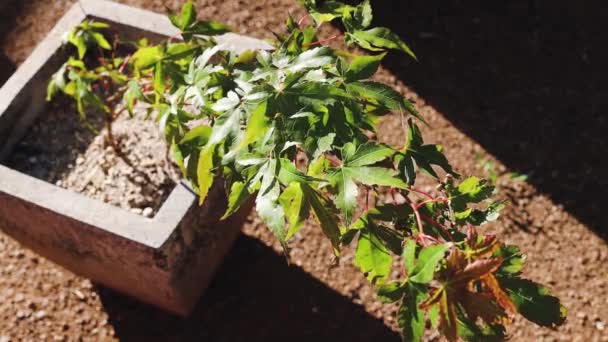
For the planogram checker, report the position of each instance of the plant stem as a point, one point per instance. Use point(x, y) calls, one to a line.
point(110, 133)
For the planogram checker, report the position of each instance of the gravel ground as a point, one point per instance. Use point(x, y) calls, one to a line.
point(256, 296)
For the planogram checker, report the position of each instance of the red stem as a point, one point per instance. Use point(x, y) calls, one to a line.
point(124, 63)
point(422, 193)
point(301, 21)
point(102, 59)
point(443, 228)
point(438, 199)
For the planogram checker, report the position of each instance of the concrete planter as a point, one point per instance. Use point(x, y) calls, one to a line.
point(166, 261)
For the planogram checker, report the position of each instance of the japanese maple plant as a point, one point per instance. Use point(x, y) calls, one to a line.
point(294, 128)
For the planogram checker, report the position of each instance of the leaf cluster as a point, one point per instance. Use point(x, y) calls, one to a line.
point(292, 129)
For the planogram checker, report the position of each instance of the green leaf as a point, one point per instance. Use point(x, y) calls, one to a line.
point(391, 292)
point(289, 173)
point(197, 136)
point(132, 94)
point(347, 191)
point(363, 67)
point(470, 190)
point(423, 156)
point(324, 144)
point(534, 302)
point(409, 256)
point(239, 194)
point(512, 260)
point(364, 14)
point(208, 28)
point(101, 40)
point(353, 169)
point(369, 153)
point(371, 175)
point(325, 213)
point(427, 262)
point(380, 38)
point(296, 207)
point(382, 95)
point(410, 317)
point(204, 171)
point(188, 15)
point(258, 124)
point(56, 84)
point(329, 11)
point(159, 78)
point(76, 38)
point(311, 59)
point(178, 156)
point(267, 202)
point(98, 25)
point(146, 57)
point(372, 257)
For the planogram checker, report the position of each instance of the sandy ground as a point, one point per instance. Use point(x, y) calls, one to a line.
point(517, 86)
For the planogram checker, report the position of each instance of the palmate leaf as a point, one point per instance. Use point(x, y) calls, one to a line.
point(470, 190)
point(132, 94)
point(382, 95)
point(417, 155)
point(410, 317)
point(425, 265)
point(355, 169)
point(378, 39)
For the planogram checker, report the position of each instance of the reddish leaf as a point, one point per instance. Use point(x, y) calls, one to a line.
point(475, 270)
point(502, 298)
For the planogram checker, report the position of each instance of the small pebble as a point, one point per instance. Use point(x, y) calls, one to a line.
point(19, 297)
point(148, 212)
point(79, 161)
point(79, 294)
point(22, 314)
point(40, 314)
point(137, 211)
point(599, 325)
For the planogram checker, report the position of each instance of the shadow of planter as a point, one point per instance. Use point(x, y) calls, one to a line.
point(168, 260)
point(7, 68)
point(256, 296)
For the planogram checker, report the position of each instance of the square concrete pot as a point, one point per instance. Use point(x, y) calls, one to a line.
point(168, 260)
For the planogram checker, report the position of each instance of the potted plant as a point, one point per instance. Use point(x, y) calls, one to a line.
point(294, 129)
point(163, 251)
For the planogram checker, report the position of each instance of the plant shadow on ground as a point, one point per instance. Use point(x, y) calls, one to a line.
point(523, 78)
point(256, 295)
